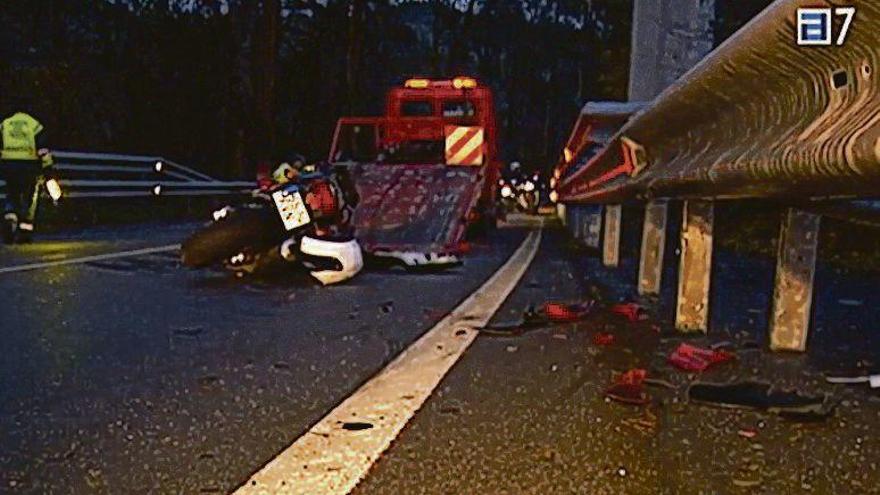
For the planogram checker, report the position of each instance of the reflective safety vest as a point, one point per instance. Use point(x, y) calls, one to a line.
point(19, 134)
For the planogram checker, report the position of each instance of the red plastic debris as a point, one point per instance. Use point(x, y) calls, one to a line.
point(692, 358)
point(603, 338)
point(629, 388)
point(631, 311)
point(556, 311)
point(747, 433)
point(633, 377)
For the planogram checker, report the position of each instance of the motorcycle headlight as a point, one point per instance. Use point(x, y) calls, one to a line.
point(529, 186)
point(506, 192)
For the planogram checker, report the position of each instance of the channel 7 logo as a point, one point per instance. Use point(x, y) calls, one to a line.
point(814, 25)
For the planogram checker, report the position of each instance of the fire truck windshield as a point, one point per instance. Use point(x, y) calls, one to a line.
point(459, 109)
point(416, 108)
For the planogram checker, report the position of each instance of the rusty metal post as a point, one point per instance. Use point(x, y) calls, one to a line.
point(611, 247)
point(793, 291)
point(653, 243)
point(695, 268)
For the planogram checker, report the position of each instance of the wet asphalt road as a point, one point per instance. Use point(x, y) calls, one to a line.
point(527, 414)
point(136, 376)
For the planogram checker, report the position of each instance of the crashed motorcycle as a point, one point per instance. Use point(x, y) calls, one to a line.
point(303, 222)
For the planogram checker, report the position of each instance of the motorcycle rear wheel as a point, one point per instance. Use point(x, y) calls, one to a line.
point(254, 229)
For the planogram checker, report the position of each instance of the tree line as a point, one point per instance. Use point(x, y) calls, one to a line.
point(227, 84)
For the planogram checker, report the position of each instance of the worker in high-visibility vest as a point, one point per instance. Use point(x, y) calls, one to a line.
point(24, 165)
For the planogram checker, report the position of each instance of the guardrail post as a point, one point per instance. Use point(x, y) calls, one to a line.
point(593, 229)
point(695, 267)
point(793, 291)
point(653, 243)
point(611, 247)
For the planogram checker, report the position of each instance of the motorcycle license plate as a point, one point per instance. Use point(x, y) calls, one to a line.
point(291, 208)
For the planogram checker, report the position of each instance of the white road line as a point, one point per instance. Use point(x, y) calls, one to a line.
point(87, 259)
point(338, 451)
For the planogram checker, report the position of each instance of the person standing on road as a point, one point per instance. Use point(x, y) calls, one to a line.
point(24, 165)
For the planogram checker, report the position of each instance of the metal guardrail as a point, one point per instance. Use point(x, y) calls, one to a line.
point(104, 175)
point(760, 117)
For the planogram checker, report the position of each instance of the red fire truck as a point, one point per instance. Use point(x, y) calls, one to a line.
point(426, 171)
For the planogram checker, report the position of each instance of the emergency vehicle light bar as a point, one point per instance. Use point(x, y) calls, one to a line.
point(417, 83)
point(464, 83)
point(457, 83)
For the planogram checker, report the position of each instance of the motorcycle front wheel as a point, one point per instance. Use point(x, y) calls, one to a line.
point(254, 229)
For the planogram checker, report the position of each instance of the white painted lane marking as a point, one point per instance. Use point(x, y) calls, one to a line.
point(337, 452)
point(87, 259)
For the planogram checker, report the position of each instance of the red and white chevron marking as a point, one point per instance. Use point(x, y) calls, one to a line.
point(464, 145)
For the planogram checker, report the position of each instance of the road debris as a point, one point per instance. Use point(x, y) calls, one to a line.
point(647, 423)
point(631, 311)
point(849, 302)
point(763, 397)
point(872, 380)
point(746, 483)
point(692, 358)
point(563, 312)
point(747, 433)
point(531, 320)
point(656, 382)
point(551, 312)
point(629, 388)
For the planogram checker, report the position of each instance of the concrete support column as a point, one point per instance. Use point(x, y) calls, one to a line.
point(611, 247)
point(793, 291)
point(653, 242)
point(695, 267)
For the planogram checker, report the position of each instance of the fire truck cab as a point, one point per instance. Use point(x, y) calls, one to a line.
point(425, 170)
